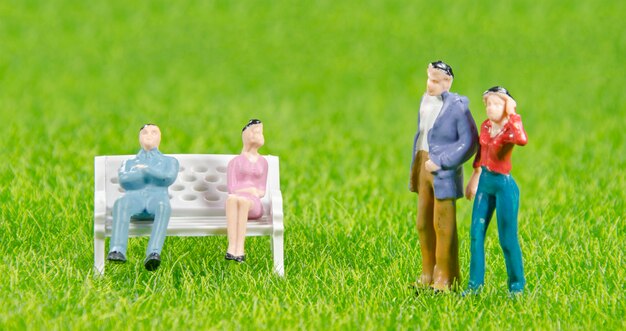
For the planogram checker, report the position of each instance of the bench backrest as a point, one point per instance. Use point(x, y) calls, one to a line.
point(199, 190)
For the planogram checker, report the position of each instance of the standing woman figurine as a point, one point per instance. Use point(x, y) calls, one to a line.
point(247, 179)
point(494, 188)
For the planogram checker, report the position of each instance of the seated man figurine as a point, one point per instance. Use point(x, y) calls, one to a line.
point(145, 179)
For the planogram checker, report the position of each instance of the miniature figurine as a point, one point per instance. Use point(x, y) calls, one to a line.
point(247, 179)
point(446, 138)
point(145, 178)
point(494, 188)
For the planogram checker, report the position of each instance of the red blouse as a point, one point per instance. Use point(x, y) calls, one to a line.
point(495, 152)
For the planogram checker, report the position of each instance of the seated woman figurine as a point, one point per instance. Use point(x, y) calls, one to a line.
point(494, 188)
point(247, 179)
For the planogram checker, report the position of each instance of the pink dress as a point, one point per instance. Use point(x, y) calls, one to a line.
point(245, 174)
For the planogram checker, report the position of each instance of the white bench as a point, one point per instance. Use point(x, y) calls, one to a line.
point(197, 199)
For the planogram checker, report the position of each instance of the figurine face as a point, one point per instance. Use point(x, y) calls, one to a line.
point(438, 82)
point(494, 105)
point(253, 135)
point(150, 137)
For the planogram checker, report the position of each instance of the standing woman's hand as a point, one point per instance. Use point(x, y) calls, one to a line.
point(472, 185)
point(510, 105)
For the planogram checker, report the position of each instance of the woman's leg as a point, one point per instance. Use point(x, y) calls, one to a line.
point(243, 207)
point(508, 206)
point(231, 222)
point(484, 204)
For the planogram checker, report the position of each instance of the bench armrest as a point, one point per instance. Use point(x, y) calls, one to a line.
point(99, 207)
point(276, 211)
point(99, 194)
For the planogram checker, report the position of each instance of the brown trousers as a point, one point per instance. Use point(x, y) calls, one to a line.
point(436, 225)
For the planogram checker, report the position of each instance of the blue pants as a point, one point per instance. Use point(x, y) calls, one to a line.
point(140, 202)
point(496, 191)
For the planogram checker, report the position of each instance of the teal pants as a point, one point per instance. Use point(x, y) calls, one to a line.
point(496, 192)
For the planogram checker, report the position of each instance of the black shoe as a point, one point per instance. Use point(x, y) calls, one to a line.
point(117, 257)
point(152, 262)
point(232, 257)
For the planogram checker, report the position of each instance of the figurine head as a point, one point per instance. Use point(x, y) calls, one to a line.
point(440, 78)
point(497, 99)
point(252, 134)
point(149, 136)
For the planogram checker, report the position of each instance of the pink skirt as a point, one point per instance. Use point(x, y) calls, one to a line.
point(256, 209)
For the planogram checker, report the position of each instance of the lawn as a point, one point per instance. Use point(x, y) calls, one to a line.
point(337, 85)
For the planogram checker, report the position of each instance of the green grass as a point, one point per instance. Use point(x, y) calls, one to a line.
point(337, 85)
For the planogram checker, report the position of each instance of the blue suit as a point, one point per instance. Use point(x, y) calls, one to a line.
point(145, 179)
point(452, 141)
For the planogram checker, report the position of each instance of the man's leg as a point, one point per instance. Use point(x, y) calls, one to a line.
point(123, 209)
point(425, 224)
point(447, 252)
point(161, 210)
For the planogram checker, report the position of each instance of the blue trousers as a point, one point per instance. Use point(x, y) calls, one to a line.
point(496, 191)
point(140, 202)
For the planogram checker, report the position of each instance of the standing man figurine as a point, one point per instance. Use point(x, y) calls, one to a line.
point(145, 178)
point(446, 138)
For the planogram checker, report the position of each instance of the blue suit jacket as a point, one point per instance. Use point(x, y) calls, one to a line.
point(158, 174)
point(452, 141)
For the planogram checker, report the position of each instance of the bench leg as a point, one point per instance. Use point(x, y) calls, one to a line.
point(277, 251)
point(98, 255)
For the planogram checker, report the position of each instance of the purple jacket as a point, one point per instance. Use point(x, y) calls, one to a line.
point(452, 141)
